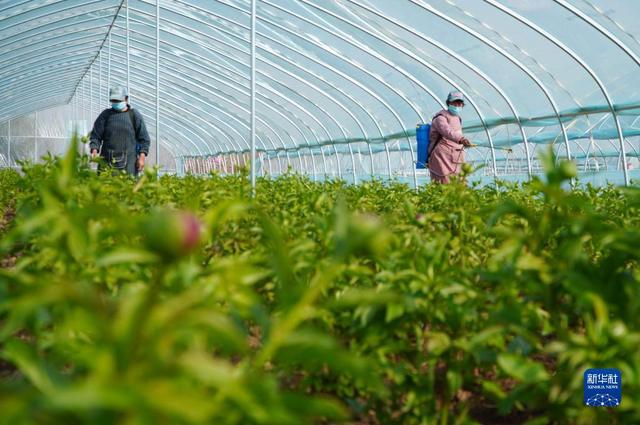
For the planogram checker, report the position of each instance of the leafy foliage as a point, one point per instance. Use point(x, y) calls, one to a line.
point(313, 302)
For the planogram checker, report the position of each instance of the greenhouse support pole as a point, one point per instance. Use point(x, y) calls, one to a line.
point(84, 129)
point(9, 146)
point(253, 97)
point(109, 64)
point(35, 138)
point(157, 82)
point(91, 92)
point(128, 69)
point(100, 80)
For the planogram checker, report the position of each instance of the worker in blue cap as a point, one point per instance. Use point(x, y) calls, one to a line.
point(119, 135)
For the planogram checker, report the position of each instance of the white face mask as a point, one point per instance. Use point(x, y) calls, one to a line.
point(119, 106)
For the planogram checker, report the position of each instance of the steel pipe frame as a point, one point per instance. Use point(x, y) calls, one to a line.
point(179, 133)
point(341, 74)
point(143, 102)
point(629, 53)
point(157, 69)
point(9, 161)
point(276, 133)
point(100, 92)
point(205, 59)
point(211, 116)
point(127, 47)
point(409, 76)
point(15, 5)
point(32, 35)
point(189, 40)
point(57, 12)
point(84, 120)
point(178, 63)
point(575, 57)
point(397, 47)
point(466, 63)
point(252, 118)
point(623, 146)
point(369, 51)
point(23, 107)
point(32, 93)
point(198, 43)
point(70, 42)
point(344, 76)
point(513, 60)
point(115, 17)
point(379, 57)
point(26, 107)
point(109, 64)
point(353, 163)
point(47, 63)
point(214, 117)
point(236, 104)
point(275, 93)
point(47, 35)
point(279, 43)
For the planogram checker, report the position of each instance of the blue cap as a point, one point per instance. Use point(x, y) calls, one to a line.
point(455, 95)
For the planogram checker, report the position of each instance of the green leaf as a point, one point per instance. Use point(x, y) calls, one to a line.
point(523, 369)
point(127, 256)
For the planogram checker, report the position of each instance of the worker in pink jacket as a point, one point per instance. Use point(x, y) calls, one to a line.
point(446, 154)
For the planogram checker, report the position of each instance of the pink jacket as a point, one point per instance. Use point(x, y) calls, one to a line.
point(447, 157)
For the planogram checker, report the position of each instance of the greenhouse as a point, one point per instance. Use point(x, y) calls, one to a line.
point(291, 212)
point(338, 87)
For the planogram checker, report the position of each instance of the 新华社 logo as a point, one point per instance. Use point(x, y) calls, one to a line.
point(602, 387)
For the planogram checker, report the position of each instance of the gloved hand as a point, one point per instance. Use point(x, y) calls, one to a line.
point(466, 142)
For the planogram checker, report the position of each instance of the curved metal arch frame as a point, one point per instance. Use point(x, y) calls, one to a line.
point(204, 59)
point(306, 56)
point(186, 128)
point(66, 43)
point(199, 86)
point(424, 63)
point(208, 48)
point(275, 93)
point(16, 106)
point(512, 59)
point(47, 102)
point(234, 48)
point(580, 62)
point(629, 53)
point(47, 63)
point(479, 72)
point(273, 40)
point(290, 74)
point(613, 113)
point(35, 93)
point(178, 103)
point(474, 68)
point(58, 12)
point(142, 102)
point(297, 66)
point(212, 116)
point(364, 88)
point(48, 34)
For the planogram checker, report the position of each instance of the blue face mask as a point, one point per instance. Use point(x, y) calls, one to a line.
point(119, 106)
point(455, 110)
